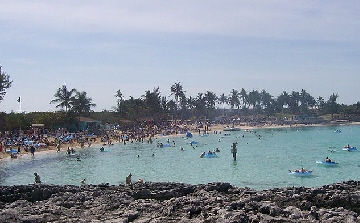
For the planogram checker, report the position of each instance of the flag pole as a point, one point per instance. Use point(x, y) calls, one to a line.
point(19, 100)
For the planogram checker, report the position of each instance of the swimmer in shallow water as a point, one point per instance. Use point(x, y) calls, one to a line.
point(128, 179)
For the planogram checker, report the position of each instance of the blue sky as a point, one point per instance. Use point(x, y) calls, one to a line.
point(133, 46)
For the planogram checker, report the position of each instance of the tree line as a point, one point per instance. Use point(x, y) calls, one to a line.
point(155, 107)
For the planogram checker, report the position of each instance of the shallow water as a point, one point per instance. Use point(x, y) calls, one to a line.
point(262, 161)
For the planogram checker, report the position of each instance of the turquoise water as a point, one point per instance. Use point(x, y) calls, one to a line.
point(262, 161)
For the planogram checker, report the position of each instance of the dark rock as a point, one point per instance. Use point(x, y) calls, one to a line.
point(176, 202)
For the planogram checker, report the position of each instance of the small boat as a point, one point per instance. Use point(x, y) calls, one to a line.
point(231, 129)
point(327, 163)
point(188, 135)
point(337, 131)
point(208, 155)
point(300, 172)
point(349, 148)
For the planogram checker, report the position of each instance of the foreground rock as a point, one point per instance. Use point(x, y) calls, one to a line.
point(175, 202)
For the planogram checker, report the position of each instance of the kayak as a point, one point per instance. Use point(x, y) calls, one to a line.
point(350, 148)
point(322, 162)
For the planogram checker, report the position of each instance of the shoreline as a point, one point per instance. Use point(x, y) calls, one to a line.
point(217, 127)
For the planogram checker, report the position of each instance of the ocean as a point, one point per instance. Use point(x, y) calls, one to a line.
point(264, 158)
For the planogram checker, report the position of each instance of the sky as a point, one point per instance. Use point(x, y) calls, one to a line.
point(134, 46)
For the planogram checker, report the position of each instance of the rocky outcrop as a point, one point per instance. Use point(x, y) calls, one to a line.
point(176, 202)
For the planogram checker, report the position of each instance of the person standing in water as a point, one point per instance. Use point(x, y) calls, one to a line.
point(37, 178)
point(32, 150)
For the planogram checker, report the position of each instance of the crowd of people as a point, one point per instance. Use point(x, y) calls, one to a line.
point(20, 142)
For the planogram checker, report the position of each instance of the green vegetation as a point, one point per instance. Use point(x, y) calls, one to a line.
point(5, 83)
point(254, 106)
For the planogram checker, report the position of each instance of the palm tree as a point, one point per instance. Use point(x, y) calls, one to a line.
point(200, 105)
point(294, 102)
point(153, 101)
point(64, 97)
point(306, 101)
point(81, 104)
point(254, 98)
point(223, 100)
point(179, 94)
point(282, 101)
point(163, 104)
point(171, 106)
point(210, 101)
point(320, 103)
point(244, 97)
point(119, 95)
point(331, 105)
point(234, 99)
point(119, 99)
point(5, 83)
point(191, 102)
point(267, 102)
point(177, 91)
